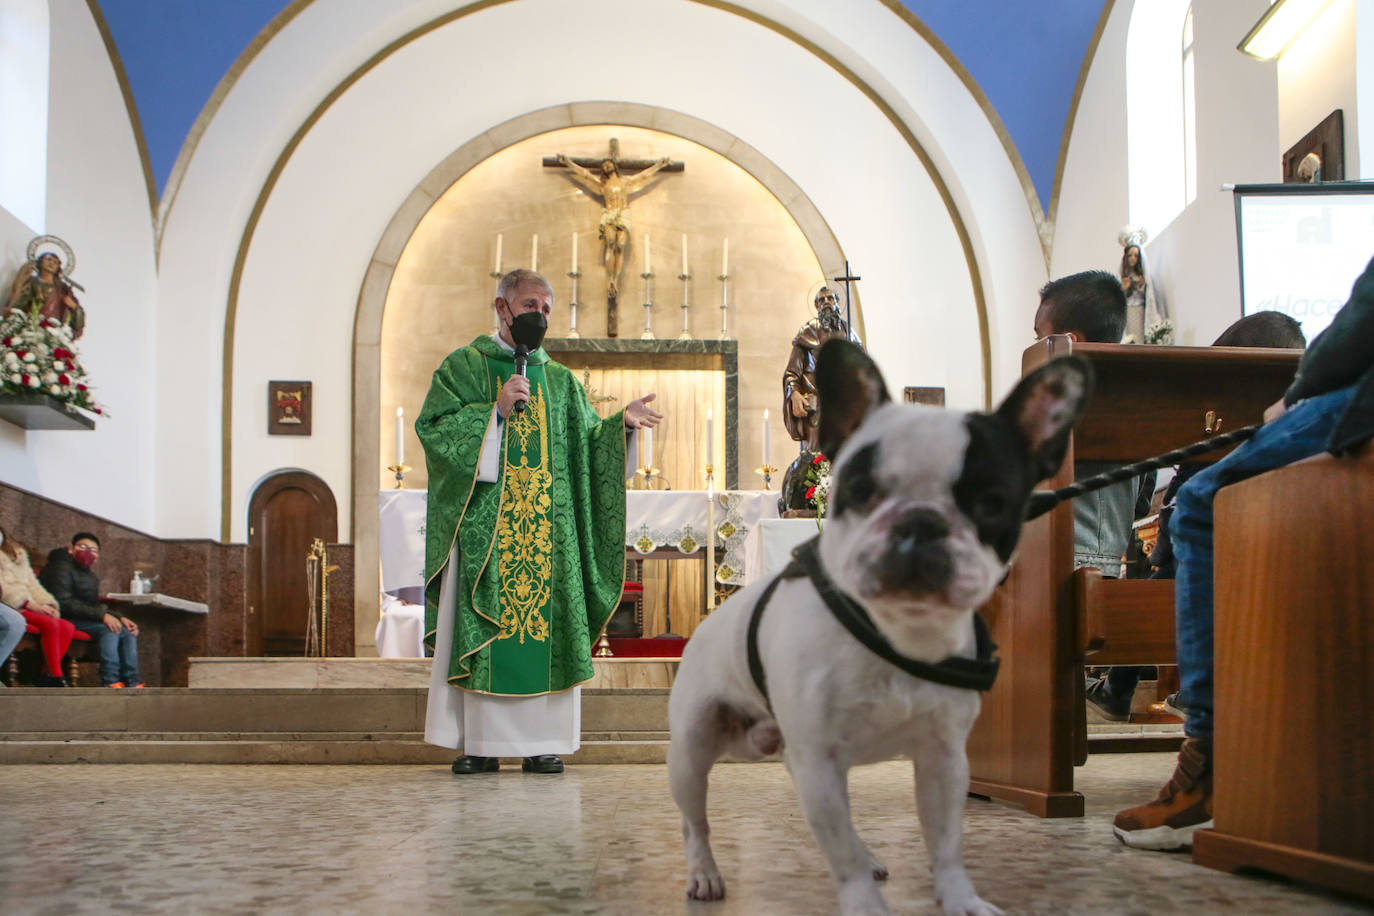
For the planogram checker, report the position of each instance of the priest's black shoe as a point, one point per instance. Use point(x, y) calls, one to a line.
point(467, 764)
point(544, 763)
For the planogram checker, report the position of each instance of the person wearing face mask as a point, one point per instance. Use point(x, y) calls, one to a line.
point(72, 580)
point(525, 535)
point(22, 596)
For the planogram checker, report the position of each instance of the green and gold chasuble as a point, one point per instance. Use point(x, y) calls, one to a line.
point(541, 552)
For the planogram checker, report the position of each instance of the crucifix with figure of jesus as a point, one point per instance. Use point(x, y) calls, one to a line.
point(613, 180)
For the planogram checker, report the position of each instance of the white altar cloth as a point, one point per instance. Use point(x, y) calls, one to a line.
point(654, 519)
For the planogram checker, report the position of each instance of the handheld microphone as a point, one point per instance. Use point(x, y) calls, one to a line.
point(522, 360)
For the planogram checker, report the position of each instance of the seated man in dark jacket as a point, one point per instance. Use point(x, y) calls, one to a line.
point(68, 575)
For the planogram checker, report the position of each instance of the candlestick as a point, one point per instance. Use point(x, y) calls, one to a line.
point(400, 472)
point(685, 277)
point(710, 538)
point(574, 275)
point(648, 261)
point(648, 446)
point(497, 269)
point(684, 252)
point(710, 438)
point(648, 295)
point(534, 252)
point(400, 435)
point(765, 435)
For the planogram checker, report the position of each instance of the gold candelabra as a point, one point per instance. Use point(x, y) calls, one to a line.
point(648, 478)
point(767, 471)
point(400, 471)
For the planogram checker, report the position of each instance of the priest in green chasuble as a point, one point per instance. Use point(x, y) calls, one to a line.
point(525, 539)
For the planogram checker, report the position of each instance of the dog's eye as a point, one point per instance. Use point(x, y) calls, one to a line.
point(991, 505)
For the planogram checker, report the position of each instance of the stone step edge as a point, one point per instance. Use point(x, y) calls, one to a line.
point(267, 737)
point(306, 752)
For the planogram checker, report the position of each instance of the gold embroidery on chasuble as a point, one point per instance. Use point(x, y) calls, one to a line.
point(524, 535)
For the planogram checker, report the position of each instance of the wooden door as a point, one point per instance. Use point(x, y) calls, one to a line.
point(288, 511)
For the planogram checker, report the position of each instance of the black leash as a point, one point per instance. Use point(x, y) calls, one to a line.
point(1042, 501)
point(976, 673)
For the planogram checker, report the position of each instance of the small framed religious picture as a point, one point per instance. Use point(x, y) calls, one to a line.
point(288, 408)
point(931, 397)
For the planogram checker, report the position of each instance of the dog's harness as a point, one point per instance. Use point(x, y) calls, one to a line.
point(969, 673)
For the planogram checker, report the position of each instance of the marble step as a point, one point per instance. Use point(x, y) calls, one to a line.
point(292, 710)
point(196, 749)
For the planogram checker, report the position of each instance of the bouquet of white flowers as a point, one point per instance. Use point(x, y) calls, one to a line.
point(38, 357)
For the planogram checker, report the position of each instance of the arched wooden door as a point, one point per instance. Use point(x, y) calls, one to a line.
point(287, 512)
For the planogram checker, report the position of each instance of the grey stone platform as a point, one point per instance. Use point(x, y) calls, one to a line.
point(284, 725)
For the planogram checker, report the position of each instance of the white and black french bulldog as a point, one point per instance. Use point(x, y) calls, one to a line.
point(867, 646)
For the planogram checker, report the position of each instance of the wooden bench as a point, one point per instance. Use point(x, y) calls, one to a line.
point(1294, 696)
point(1048, 620)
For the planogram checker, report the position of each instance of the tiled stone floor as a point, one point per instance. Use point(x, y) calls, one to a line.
point(599, 839)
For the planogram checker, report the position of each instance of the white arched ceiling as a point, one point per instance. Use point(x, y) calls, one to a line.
point(282, 206)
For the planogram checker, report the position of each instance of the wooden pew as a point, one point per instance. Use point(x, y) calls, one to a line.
point(1147, 401)
point(1294, 624)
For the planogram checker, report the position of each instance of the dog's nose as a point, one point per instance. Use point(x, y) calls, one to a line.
point(920, 527)
point(918, 557)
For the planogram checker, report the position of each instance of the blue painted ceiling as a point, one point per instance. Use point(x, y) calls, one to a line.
point(1025, 57)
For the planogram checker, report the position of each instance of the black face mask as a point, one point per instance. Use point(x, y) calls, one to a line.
point(528, 328)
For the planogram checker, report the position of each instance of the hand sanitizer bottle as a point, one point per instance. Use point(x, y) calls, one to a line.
point(136, 586)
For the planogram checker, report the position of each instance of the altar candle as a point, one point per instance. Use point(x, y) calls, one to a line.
point(725, 259)
point(684, 254)
point(765, 437)
point(400, 435)
point(534, 253)
point(497, 268)
point(710, 435)
point(648, 447)
point(574, 257)
point(648, 261)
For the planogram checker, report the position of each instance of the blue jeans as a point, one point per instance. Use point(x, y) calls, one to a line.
point(12, 624)
point(118, 652)
point(1300, 433)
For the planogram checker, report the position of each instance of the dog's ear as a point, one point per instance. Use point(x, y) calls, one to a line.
point(1045, 406)
point(848, 386)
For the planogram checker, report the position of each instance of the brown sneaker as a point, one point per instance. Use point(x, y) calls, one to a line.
point(1183, 806)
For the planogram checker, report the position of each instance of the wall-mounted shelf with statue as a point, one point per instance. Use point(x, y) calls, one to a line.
point(42, 411)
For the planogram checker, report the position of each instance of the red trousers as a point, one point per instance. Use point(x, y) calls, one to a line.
point(55, 635)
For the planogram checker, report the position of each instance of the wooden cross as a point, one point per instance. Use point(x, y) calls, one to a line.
point(613, 179)
point(848, 280)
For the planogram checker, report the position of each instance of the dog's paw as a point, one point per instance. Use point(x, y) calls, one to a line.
point(861, 898)
point(970, 906)
point(705, 884)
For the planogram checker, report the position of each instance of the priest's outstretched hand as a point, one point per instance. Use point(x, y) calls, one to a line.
point(639, 415)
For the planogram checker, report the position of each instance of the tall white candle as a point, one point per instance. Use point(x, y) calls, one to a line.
point(534, 252)
point(684, 254)
point(574, 257)
point(765, 437)
point(648, 261)
point(497, 268)
point(648, 447)
point(400, 435)
point(710, 436)
point(725, 258)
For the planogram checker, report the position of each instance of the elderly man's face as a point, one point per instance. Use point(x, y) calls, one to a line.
point(826, 299)
point(528, 297)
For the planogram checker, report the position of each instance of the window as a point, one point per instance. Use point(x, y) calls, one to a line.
point(1160, 137)
point(24, 110)
point(1189, 114)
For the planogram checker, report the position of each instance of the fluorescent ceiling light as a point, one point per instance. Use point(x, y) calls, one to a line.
point(1279, 27)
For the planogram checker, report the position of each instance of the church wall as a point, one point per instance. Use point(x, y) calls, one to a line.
point(97, 202)
point(320, 225)
point(1093, 193)
point(1193, 259)
point(1317, 75)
